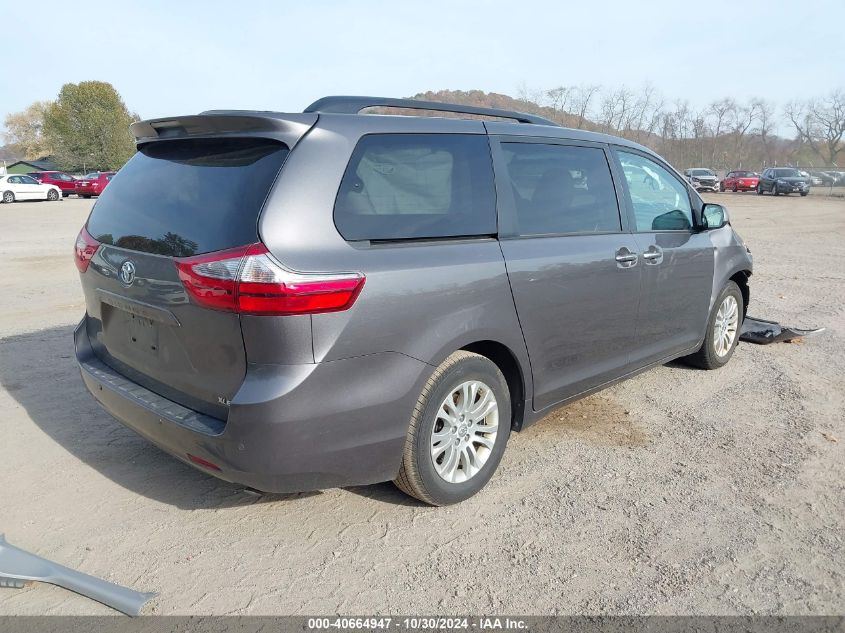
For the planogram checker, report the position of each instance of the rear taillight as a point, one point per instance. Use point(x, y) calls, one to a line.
point(84, 249)
point(250, 281)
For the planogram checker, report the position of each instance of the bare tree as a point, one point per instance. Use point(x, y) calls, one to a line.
point(743, 120)
point(529, 95)
point(645, 113)
point(560, 98)
point(722, 113)
point(821, 124)
point(764, 113)
point(614, 109)
point(582, 100)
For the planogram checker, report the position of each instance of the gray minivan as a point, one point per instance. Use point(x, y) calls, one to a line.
point(330, 298)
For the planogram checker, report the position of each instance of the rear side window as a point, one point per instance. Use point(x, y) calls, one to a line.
point(185, 197)
point(561, 189)
point(416, 186)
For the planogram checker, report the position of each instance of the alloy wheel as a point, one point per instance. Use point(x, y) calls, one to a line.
point(725, 326)
point(464, 432)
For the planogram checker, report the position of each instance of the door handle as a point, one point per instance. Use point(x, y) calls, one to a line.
point(654, 255)
point(625, 258)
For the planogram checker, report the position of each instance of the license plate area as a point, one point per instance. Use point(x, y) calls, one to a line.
point(129, 335)
point(142, 334)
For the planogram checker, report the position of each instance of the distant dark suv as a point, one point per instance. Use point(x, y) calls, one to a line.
point(783, 180)
point(302, 301)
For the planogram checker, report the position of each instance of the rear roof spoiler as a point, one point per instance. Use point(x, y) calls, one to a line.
point(354, 105)
point(288, 128)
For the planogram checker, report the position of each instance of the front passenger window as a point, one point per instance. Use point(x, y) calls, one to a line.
point(659, 200)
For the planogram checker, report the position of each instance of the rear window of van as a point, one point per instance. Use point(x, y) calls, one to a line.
point(185, 197)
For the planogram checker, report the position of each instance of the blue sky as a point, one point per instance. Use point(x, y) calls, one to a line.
point(180, 57)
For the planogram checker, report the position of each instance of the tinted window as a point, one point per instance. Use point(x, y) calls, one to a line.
point(180, 197)
point(659, 200)
point(406, 186)
point(561, 189)
point(786, 173)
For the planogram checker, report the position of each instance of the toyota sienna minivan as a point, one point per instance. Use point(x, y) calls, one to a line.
point(330, 298)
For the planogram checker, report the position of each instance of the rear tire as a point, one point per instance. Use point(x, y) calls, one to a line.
point(449, 456)
point(712, 354)
point(8, 197)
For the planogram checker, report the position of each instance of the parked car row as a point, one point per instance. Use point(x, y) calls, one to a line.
point(774, 180)
point(828, 178)
point(52, 185)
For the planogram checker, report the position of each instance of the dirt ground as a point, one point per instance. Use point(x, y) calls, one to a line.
point(677, 492)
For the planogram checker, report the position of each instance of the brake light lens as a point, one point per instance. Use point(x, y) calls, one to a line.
point(84, 249)
point(249, 280)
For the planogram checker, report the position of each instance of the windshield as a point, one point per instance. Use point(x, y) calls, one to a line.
point(787, 173)
point(701, 172)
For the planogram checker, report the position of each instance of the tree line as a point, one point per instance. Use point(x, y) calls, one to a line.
point(85, 127)
point(726, 134)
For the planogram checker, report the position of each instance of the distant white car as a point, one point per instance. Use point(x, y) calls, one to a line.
point(20, 187)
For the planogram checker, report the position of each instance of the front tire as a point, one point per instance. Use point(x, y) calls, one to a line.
point(458, 432)
point(723, 329)
point(759, 190)
point(52, 196)
point(775, 191)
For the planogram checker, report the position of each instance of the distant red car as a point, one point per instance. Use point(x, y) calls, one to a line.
point(93, 184)
point(60, 179)
point(739, 181)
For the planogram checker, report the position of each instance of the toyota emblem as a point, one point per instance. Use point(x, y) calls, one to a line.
point(127, 272)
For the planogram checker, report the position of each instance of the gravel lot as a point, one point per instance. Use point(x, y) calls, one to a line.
point(677, 492)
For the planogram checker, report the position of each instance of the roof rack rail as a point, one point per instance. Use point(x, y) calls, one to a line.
point(353, 105)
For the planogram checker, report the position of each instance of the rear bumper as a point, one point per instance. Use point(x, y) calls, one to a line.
point(290, 427)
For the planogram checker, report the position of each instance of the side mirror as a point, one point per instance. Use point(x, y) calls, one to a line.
point(714, 216)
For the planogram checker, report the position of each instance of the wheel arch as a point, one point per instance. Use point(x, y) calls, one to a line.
point(511, 368)
point(740, 278)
